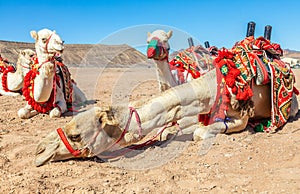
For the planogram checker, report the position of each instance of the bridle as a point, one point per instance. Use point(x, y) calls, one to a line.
point(47, 42)
point(162, 50)
point(79, 152)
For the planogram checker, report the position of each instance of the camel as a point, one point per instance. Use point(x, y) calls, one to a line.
point(158, 50)
point(49, 94)
point(12, 80)
point(99, 129)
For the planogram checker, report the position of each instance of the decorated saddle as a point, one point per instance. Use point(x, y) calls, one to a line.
point(196, 60)
point(254, 60)
point(63, 73)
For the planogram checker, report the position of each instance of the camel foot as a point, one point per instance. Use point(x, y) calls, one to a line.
point(24, 113)
point(55, 113)
point(202, 133)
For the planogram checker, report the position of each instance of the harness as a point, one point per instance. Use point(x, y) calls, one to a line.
point(28, 88)
point(88, 147)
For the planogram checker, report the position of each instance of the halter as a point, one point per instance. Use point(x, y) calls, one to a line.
point(78, 152)
point(161, 50)
point(47, 42)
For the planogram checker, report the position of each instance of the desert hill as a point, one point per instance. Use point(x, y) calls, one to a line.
point(87, 55)
point(291, 54)
point(83, 55)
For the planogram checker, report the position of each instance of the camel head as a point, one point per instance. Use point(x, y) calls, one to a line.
point(25, 60)
point(89, 133)
point(47, 42)
point(158, 46)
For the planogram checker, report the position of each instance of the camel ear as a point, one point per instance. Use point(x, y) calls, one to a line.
point(34, 34)
point(54, 32)
point(169, 34)
point(148, 34)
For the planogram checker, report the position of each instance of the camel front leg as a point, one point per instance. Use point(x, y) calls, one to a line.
point(231, 126)
point(61, 105)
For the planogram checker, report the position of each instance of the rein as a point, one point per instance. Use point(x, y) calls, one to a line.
point(47, 42)
point(78, 152)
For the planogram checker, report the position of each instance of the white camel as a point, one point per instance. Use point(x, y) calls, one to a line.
point(11, 79)
point(48, 85)
point(158, 49)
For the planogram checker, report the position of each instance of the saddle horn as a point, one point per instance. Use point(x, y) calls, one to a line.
point(250, 29)
point(206, 44)
point(191, 42)
point(268, 30)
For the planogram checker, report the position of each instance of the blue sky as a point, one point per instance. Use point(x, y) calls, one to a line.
point(220, 22)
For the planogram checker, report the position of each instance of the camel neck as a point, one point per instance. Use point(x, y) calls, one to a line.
point(187, 100)
point(164, 75)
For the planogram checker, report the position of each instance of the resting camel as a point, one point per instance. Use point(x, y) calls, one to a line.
point(53, 87)
point(11, 79)
point(167, 74)
point(97, 130)
point(100, 129)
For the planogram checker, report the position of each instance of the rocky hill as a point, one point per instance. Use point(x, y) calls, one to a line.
point(84, 55)
point(291, 54)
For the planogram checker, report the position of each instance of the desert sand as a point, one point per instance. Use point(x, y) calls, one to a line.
point(245, 162)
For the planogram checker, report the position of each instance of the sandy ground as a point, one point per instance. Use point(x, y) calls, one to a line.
point(237, 163)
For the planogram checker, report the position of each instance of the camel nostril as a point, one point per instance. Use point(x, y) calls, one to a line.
point(151, 52)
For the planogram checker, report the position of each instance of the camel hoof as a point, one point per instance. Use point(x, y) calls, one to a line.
point(23, 113)
point(201, 134)
point(197, 138)
point(55, 113)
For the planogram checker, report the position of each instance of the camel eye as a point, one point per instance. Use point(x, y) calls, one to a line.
point(75, 138)
point(44, 39)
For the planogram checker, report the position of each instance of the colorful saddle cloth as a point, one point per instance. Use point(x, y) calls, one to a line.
point(195, 60)
point(256, 59)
